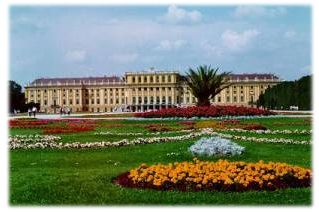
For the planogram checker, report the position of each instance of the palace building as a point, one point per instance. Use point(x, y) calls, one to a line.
point(138, 91)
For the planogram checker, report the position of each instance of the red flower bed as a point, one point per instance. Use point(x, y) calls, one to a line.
point(67, 129)
point(230, 122)
point(255, 127)
point(25, 123)
point(158, 128)
point(71, 126)
point(209, 111)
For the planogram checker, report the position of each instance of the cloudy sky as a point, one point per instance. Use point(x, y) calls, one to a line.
point(110, 40)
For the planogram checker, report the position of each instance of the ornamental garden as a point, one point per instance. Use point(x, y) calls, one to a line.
point(212, 155)
point(245, 160)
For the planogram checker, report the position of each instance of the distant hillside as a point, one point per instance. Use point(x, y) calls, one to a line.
point(288, 93)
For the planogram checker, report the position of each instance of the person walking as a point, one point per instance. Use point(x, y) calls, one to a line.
point(29, 112)
point(34, 110)
point(61, 111)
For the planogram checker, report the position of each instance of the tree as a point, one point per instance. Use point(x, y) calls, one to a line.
point(16, 97)
point(205, 83)
point(288, 93)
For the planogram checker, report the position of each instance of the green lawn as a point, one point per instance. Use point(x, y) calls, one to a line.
point(84, 177)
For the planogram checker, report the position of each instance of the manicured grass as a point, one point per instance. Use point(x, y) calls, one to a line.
point(84, 177)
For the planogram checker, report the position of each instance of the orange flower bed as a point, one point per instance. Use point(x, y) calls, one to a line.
point(216, 176)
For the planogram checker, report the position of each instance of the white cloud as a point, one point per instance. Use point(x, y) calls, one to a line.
point(166, 45)
point(124, 58)
point(236, 41)
point(290, 34)
point(258, 11)
point(76, 55)
point(211, 49)
point(176, 15)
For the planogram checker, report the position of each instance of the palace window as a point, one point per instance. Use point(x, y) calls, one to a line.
point(145, 79)
point(105, 101)
point(145, 89)
point(77, 101)
point(45, 102)
point(145, 100)
point(139, 79)
point(241, 98)
point(133, 100)
point(157, 99)
point(241, 87)
point(163, 99)
point(152, 99)
point(71, 102)
point(235, 99)
point(227, 98)
point(98, 101)
point(64, 101)
point(219, 99)
point(133, 79)
point(169, 78)
point(92, 101)
point(111, 101)
point(117, 101)
point(151, 79)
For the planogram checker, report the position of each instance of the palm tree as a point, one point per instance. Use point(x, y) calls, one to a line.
point(205, 83)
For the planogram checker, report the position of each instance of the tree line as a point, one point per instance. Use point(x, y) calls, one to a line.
point(288, 93)
point(17, 99)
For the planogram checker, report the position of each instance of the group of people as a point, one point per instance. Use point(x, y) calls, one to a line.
point(33, 111)
point(64, 111)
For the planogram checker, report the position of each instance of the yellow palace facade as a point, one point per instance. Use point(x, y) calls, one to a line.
point(138, 91)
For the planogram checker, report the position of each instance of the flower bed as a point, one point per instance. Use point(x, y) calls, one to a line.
point(254, 127)
point(216, 146)
point(28, 124)
point(216, 176)
point(287, 132)
point(261, 140)
point(158, 128)
point(67, 129)
point(102, 144)
point(209, 111)
point(37, 141)
point(143, 133)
